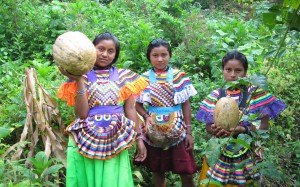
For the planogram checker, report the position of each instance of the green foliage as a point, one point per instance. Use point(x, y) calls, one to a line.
point(264, 31)
point(210, 182)
point(43, 172)
point(44, 167)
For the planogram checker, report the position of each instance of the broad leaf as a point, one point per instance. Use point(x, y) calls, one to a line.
point(138, 175)
point(259, 80)
point(212, 151)
point(52, 169)
point(269, 19)
point(4, 132)
point(291, 3)
point(208, 182)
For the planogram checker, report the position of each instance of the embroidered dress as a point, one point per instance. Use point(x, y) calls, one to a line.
point(98, 143)
point(164, 95)
point(227, 170)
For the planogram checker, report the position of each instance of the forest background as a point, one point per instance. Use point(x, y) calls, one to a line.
point(32, 142)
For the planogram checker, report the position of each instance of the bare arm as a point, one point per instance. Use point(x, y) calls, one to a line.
point(130, 112)
point(81, 102)
point(140, 108)
point(186, 110)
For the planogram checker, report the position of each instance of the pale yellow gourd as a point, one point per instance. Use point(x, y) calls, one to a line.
point(226, 113)
point(74, 52)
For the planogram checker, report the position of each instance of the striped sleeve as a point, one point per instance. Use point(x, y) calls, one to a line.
point(265, 103)
point(130, 84)
point(207, 107)
point(183, 87)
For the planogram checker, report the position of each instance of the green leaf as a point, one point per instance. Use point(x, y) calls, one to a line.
point(22, 184)
point(52, 169)
point(263, 134)
point(269, 170)
point(269, 19)
point(241, 142)
point(212, 151)
point(40, 162)
point(291, 3)
point(295, 24)
point(221, 32)
point(270, 53)
point(127, 64)
point(253, 117)
point(4, 132)
point(259, 80)
point(138, 175)
point(206, 182)
point(281, 53)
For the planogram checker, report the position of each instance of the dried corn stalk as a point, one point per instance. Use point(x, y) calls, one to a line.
point(41, 110)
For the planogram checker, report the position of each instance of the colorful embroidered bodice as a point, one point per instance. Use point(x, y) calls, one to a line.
point(106, 131)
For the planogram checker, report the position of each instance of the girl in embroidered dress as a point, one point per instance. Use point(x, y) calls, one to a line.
point(97, 154)
point(167, 132)
point(227, 170)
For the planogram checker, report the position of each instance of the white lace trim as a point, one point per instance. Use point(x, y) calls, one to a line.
point(144, 98)
point(185, 94)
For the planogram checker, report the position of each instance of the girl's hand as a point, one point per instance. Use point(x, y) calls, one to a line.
point(148, 121)
point(238, 130)
point(70, 76)
point(189, 142)
point(141, 151)
point(219, 132)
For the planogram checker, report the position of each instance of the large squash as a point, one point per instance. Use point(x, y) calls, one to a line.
point(74, 52)
point(226, 113)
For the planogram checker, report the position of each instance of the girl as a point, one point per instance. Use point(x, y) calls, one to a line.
point(97, 153)
point(167, 133)
point(227, 170)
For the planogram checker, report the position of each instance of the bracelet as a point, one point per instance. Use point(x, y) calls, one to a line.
point(81, 92)
point(188, 125)
point(140, 137)
point(147, 115)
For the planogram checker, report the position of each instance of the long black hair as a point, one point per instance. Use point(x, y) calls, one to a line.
point(156, 43)
point(235, 55)
point(108, 36)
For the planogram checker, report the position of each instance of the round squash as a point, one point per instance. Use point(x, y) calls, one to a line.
point(226, 113)
point(74, 52)
point(163, 134)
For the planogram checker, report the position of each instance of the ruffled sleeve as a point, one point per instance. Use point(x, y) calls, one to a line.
point(183, 87)
point(67, 92)
point(265, 103)
point(207, 107)
point(131, 83)
point(145, 96)
point(134, 88)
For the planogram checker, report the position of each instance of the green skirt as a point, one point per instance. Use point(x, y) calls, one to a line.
point(86, 172)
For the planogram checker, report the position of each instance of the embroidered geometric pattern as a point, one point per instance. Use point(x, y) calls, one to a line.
point(181, 90)
point(103, 136)
point(103, 94)
point(162, 93)
point(235, 165)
